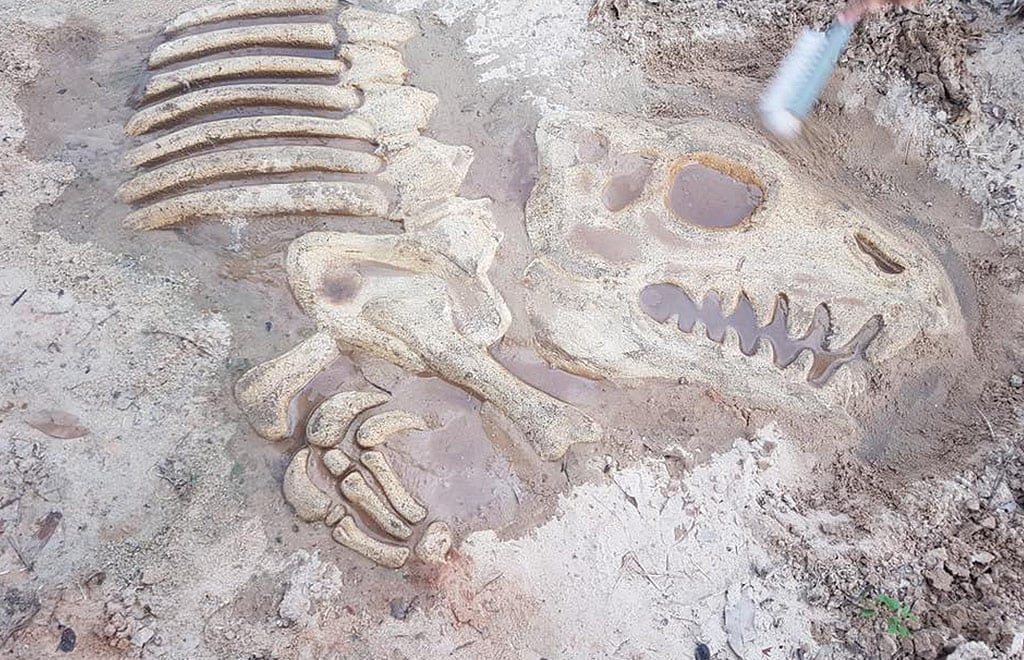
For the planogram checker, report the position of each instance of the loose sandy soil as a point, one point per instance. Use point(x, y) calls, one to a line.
point(140, 515)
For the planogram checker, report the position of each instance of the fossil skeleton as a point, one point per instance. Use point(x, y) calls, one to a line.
point(612, 268)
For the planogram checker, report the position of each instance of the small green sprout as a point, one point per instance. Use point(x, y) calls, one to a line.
point(897, 615)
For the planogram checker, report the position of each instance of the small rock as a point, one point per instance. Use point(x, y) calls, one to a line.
point(936, 557)
point(973, 504)
point(1016, 380)
point(982, 557)
point(988, 522)
point(702, 652)
point(957, 569)
point(939, 578)
point(143, 636)
point(68, 639)
point(887, 647)
point(927, 644)
point(400, 609)
point(971, 651)
point(985, 585)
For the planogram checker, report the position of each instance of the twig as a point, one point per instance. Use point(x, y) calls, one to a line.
point(190, 342)
point(1002, 460)
point(462, 646)
point(489, 583)
point(29, 565)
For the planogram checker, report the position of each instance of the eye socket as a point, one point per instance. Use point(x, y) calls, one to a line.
point(712, 192)
point(626, 186)
point(882, 261)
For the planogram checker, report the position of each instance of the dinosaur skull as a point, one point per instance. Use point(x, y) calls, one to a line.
point(646, 236)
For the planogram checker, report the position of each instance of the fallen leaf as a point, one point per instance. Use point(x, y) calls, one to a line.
point(57, 424)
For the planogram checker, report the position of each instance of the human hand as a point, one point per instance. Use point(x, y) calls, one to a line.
point(857, 9)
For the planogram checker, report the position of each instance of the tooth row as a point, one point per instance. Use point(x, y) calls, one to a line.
point(291, 35)
point(205, 101)
point(751, 333)
point(241, 9)
point(225, 131)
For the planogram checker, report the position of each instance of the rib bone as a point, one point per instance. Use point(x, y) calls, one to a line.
point(256, 66)
point(308, 198)
point(246, 162)
point(215, 99)
point(291, 35)
point(218, 132)
point(237, 9)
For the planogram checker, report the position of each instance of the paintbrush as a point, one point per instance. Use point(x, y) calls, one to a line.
point(800, 78)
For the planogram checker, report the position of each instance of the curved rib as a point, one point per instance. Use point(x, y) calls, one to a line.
point(291, 35)
point(246, 162)
point(258, 66)
point(307, 198)
point(244, 128)
point(318, 97)
point(237, 9)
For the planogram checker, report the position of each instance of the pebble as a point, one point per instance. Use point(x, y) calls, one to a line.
point(887, 647)
point(144, 635)
point(1016, 380)
point(68, 639)
point(982, 557)
point(939, 578)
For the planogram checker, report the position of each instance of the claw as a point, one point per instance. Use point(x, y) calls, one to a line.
point(379, 428)
point(265, 392)
point(358, 492)
point(310, 503)
point(397, 495)
point(355, 539)
point(330, 422)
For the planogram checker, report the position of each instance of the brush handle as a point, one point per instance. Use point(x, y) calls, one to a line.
point(819, 70)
